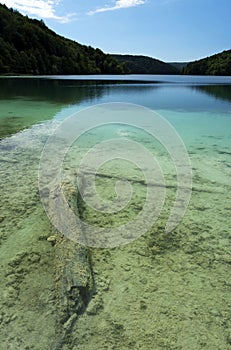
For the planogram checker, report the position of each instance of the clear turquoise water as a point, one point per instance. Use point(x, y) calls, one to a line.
point(159, 292)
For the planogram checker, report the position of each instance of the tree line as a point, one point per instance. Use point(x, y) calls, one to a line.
point(146, 65)
point(28, 46)
point(219, 64)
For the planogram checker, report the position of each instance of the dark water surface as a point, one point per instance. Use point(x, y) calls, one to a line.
point(26, 101)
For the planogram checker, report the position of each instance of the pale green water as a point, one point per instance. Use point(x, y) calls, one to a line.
point(159, 292)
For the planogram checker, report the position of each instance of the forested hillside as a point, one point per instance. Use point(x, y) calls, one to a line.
point(219, 64)
point(146, 65)
point(178, 65)
point(27, 46)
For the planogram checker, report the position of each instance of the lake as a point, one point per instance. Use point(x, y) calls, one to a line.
point(166, 138)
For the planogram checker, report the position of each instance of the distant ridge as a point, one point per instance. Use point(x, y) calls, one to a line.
point(28, 46)
point(218, 64)
point(145, 65)
point(178, 65)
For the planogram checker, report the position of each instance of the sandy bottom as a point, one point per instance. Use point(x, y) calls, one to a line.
point(162, 291)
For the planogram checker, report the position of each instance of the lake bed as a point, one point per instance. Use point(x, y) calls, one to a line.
point(159, 291)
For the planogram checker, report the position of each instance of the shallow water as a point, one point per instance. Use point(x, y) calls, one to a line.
point(161, 291)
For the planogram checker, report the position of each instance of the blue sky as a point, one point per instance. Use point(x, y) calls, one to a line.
point(170, 30)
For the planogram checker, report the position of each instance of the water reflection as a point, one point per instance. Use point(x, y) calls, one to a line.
point(55, 91)
point(27, 101)
point(222, 92)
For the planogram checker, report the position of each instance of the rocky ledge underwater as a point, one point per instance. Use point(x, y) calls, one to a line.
point(160, 291)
